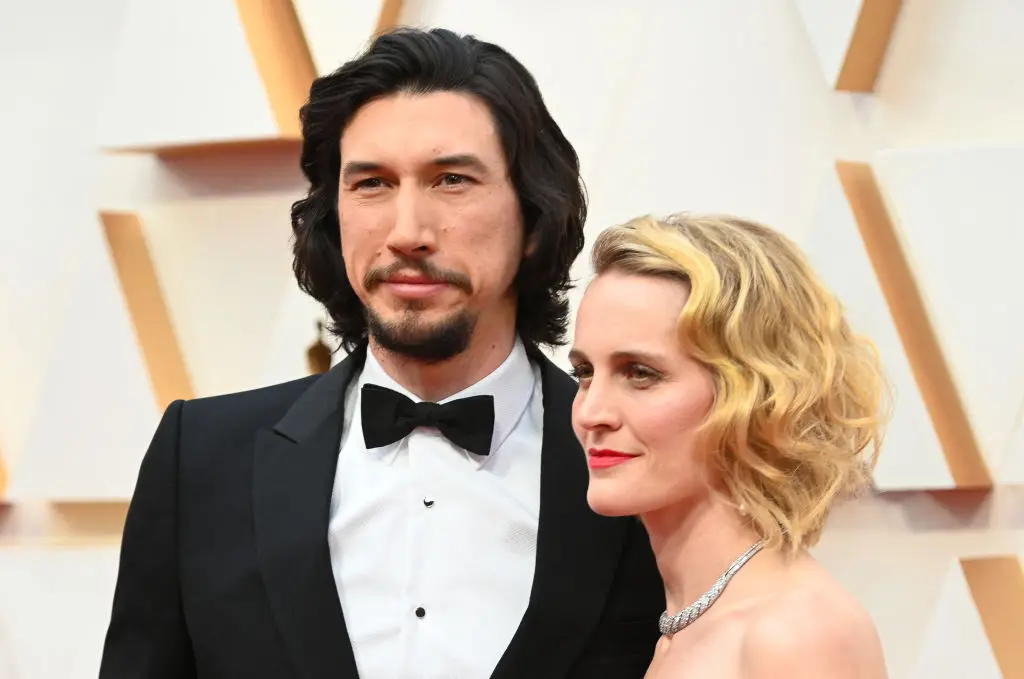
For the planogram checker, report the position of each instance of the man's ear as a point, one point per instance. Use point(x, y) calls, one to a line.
point(531, 245)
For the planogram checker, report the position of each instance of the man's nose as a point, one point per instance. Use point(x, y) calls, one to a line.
point(411, 234)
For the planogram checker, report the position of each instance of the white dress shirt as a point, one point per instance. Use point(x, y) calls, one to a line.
point(433, 547)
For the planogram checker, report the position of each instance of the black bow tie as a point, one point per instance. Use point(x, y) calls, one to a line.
point(389, 416)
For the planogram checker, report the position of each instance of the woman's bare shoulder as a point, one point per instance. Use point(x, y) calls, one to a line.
point(812, 628)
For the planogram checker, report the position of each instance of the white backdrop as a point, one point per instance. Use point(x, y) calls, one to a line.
point(719, 105)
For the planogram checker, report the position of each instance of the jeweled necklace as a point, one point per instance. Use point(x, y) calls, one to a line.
point(670, 624)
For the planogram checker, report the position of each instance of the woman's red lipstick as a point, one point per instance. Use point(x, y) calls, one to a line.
point(602, 458)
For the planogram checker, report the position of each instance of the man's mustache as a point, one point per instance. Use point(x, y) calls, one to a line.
point(374, 277)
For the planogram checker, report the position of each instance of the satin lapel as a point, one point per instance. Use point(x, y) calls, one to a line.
point(577, 550)
point(292, 483)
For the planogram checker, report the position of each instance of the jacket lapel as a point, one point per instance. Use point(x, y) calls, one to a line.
point(577, 550)
point(293, 478)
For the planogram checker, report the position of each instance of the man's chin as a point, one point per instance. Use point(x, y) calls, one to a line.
point(421, 338)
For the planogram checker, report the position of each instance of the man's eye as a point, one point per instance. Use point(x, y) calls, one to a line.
point(454, 179)
point(580, 372)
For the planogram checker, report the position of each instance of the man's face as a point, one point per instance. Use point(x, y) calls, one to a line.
point(431, 231)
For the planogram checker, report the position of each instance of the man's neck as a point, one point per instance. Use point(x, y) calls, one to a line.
point(437, 381)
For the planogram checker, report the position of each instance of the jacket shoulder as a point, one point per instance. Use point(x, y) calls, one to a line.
point(244, 410)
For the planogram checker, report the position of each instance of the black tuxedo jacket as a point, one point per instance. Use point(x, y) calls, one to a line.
point(225, 569)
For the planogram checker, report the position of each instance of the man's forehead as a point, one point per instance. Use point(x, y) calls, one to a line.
point(421, 128)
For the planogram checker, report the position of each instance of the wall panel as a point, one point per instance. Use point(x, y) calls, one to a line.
point(969, 276)
point(183, 75)
point(912, 457)
point(851, 38)
point(226, 263)
point(956, 625)
point(338, 30)
point(96, 410)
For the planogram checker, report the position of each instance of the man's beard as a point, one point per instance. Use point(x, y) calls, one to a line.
point(412, 338)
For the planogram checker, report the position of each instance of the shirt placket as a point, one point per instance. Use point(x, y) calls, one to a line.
point(417, 596)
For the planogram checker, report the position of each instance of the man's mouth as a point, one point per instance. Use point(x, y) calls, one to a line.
point(414, 286)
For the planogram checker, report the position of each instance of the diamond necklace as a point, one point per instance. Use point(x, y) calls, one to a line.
point(670, 624)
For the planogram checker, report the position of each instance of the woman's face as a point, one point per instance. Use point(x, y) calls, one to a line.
point(641, 396)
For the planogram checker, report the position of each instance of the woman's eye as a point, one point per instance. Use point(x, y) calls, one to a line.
point(641, 373)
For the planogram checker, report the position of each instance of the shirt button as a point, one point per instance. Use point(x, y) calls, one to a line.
point(428, 502)
point(420, 612)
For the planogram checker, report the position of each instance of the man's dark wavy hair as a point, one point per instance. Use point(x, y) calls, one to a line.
point(542, 165)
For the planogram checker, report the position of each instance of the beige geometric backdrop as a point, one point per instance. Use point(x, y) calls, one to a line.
point(145, 254)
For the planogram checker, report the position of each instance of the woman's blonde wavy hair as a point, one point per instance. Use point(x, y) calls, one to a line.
point(801, 401)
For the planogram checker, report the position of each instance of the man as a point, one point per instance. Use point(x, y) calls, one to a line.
point(346, 525)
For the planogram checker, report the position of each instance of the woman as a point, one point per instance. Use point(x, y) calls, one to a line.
point(725, 401)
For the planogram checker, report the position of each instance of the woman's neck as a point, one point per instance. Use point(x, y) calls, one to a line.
point(694, 544)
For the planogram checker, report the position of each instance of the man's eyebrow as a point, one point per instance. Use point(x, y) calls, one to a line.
point(354, 167)
point(466, 160)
